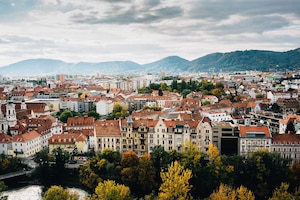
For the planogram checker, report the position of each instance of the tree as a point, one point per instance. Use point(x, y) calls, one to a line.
point(59, 169)
point(226, 192)
point(109, 190)
point(185, 92)
point(59, 193)
point(270, 171)
point(42, 171)
point(175, 183)
point(2, 188)
point(281, 193)
point(65, 115)
point(146, 175)
point(290, 128)
point(160, 159)
point(160, 92)
point(94, 114)
point(129, 162)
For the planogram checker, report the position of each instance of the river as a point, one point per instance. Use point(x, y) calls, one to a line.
point(34, 192)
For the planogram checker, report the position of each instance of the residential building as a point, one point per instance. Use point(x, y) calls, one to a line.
point(104, 107)
point(108, 135)
point(26, 145)
point(72, 143)
point(225, 137)
point(5, 143)
point(287, 145)
point(254, 138)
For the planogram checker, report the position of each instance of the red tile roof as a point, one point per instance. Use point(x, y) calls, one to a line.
point(26, 136)
point(286, 138)
point(4, 138)
point(80, 121)
point(254, 129)
point(66, 138)
point(108, 128)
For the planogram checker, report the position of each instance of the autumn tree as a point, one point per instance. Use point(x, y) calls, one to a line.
point(2, 188)
point(129, 164)
point(102, 167)
point(59, 193)
point(146, 175)
point(109, 190)
point(175, 183)
point(226, 192)
point(282, 192)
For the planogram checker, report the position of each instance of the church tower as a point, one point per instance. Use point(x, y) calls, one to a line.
point(11, 113)
point(23, 105)
point(3, 122)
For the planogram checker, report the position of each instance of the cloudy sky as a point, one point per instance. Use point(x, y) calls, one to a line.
point(143, 30)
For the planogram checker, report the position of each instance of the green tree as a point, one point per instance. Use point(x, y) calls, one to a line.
point(174, 85)
point(43, 171)
point(175, 183)
point(270, 171)
point(290, 128)
point(206, 102)
point(160, 92)
point(94, 114)
point(160, 159)
point(59, 193)
point(109, 190)
point(185, 92)
point(60, 158)
point(154, 86)
point(65, 115)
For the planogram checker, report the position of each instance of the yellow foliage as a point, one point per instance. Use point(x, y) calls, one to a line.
point(175, 183)
point(226, 192)
point(59, 193)
point(109, 190)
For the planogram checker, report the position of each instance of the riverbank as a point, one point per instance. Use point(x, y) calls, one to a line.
point(35, 192)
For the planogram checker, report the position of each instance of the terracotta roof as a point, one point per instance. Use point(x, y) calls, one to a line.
point(66, 138)
point(107, 128)
point(247, 130)
point(80, 121)
point(26, 136)
point(286, 138)
point(4, 138)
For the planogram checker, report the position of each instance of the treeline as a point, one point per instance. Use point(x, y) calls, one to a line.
point(184, 88)
point(153, 176)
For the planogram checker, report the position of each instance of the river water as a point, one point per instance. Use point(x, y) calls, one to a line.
point(34, 192)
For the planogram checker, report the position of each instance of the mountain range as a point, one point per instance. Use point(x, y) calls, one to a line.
point(260, 60)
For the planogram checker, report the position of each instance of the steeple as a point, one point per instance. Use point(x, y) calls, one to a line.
point(11, 113)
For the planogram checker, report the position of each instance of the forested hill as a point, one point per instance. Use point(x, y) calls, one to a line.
point(226, 62)
point(248, 60)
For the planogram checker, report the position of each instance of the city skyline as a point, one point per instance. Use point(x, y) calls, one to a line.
point(143, 31)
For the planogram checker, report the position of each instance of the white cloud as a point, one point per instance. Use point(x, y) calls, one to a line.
point(143, 30)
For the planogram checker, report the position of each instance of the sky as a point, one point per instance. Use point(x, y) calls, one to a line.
point(143, 31)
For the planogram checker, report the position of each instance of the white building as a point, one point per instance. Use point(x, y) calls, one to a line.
point(275, 95)
point(254, 138)
point(217, 116)
point(5, 143)
point(27, 144)
point(104, 107)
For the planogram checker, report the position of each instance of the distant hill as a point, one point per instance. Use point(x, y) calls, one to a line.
point(248, 60)
point(233, 61)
